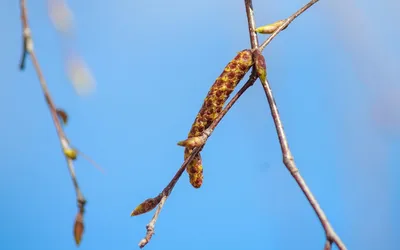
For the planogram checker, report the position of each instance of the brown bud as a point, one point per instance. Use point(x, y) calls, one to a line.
point(63, 115)
point(260, 65)
point(270, 28)
point(78, 228)
point(146, 206)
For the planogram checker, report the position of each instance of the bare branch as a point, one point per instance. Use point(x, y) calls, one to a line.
point(251, 23)
point(290, 164)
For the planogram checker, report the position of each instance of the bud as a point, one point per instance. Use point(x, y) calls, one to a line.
point(260, 65)
point(78, 228)
point(62, 115)
point(146, 206)
point(70, 153)
point(270, 28)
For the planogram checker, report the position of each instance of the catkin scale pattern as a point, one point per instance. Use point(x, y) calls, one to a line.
point(212, 106)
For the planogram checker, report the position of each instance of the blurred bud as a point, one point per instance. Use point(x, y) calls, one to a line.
point(260, 65)
point(146, 206)
point(70, 153)
point(62, 115)
point(78, 228)
point(270, 28)
point(60, 15)
point(80, 75)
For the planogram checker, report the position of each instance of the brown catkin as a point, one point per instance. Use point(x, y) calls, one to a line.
point(213, 104)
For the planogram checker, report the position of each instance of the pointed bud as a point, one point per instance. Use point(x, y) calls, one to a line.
point(78, 228)
point(260, 65)
point(270, 28)
point(146, 206)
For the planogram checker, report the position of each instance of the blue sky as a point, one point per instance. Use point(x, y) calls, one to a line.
point(334, 75)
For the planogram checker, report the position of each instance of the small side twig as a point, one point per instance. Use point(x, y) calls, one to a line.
point(28, 49)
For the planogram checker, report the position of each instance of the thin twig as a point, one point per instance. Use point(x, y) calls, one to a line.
point(28, 49)
point(150, 226)
point(165, 193)
point(290, 164)
point(251, 23)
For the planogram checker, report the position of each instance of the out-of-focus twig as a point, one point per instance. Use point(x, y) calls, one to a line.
point(28, 49)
